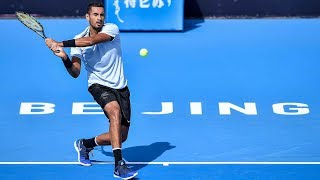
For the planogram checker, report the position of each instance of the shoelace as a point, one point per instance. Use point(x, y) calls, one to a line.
point(124, 169)
point(85, 151)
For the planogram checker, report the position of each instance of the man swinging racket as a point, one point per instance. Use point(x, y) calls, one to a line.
point(99, 48)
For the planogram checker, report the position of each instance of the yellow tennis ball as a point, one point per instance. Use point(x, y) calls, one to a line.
point(143, 52)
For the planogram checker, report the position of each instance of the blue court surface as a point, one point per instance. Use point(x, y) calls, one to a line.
point(225, 99)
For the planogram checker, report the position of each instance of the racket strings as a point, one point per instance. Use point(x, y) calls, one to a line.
point(29, 21)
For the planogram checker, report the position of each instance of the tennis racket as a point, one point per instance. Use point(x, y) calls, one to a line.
point(31, 22)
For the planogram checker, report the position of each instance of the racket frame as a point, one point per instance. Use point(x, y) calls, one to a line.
point(40, 33)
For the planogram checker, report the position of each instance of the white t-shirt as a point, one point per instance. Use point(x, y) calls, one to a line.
point(103, 61)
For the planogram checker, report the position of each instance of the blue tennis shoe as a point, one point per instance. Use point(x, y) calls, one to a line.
point(123, 171)
point(83, 153)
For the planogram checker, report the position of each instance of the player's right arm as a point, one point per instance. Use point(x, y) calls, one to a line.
point(73, 67)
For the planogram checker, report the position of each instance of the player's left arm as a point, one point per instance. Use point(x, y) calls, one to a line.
point(92, 40)
point(81, 42)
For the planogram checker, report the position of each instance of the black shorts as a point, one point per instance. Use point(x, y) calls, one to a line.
point(103, 95)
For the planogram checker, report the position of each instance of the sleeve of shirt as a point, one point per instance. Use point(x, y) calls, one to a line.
point(76, 51)
point(110, 29)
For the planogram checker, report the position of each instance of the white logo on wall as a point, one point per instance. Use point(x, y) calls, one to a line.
point(139, 4)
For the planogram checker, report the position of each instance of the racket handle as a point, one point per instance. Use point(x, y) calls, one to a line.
point(56, 51)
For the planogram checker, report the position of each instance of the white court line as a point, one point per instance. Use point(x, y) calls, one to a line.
point(161, 163)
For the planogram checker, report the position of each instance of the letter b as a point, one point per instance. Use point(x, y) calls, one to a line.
point(36, 108)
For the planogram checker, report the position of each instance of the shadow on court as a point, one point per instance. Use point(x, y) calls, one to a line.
point(192, 24)
point(146, 153)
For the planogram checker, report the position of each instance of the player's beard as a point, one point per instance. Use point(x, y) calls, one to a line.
point(95, 27)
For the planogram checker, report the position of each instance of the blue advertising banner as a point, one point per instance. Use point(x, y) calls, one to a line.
point(146, 15)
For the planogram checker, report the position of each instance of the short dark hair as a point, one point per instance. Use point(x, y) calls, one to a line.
point(94, 4)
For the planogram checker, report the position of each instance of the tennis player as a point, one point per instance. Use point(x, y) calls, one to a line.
point(99, 48)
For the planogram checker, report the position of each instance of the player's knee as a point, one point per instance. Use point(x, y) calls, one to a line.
point(113, 113)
